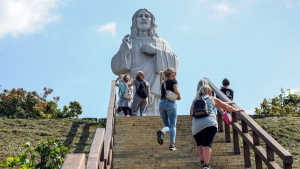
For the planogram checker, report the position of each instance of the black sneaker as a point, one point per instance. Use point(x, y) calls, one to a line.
point(201, 163)
point(206, 166)
point(160, 137)
point(172, 147)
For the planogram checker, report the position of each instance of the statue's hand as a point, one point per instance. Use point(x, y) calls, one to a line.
point(149, 49)
point(126, 42)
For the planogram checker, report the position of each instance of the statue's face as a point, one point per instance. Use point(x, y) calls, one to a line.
point(143, 20)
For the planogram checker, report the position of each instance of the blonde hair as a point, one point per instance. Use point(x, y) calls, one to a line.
point(126, 78)
point(201, 83)
point(203, 90)
point(164, 75)
point(168, 72)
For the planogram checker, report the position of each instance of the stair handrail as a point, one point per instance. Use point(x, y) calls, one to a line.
point(101, 151)
point(110, 128)
point(272, 146)
point(105, 155)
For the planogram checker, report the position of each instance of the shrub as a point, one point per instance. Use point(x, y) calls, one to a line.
point(18, 103)
point(50, 154)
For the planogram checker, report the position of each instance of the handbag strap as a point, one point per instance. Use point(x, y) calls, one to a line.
point(165, 86)
point(125, 89)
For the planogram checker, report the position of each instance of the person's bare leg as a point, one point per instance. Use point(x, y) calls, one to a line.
point(200, 152)
point(206, 154)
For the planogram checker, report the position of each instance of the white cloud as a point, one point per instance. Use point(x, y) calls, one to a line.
point(250, 111)
point(108, 28)
point(25, 16)
point(221, 9)
point(293, 91)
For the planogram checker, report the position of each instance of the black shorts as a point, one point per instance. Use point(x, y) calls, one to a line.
point(206, 136)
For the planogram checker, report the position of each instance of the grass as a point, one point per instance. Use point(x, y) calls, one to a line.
point(77, 135)
point(286, 131)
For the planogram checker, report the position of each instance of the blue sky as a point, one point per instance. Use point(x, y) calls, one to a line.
point(68, 46)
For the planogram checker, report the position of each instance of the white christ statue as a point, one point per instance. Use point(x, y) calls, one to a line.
point(145, 51)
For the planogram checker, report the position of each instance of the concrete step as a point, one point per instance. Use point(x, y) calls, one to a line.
point(179, 166)
point(154, 144)
point(136, 146)
point(151, 138)
point(164, 153)
point(175, 160)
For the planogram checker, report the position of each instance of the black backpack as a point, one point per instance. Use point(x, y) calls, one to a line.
point(142, 90)
point(200, 108)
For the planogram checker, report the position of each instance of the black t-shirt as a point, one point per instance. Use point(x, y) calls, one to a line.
point(169, 86)
point(228, 92)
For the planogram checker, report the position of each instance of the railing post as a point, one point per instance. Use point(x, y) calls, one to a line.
point(227, 133)
point(287, 166)
point(247, 159)
point(96, 150)
point(256, 142)
point(220, 122)
point(236, 144)
point(270, 154)
point(74, 161)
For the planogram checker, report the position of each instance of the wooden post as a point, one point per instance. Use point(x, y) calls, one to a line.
point(236, 144)
point(256, 142)
point(74, 161)
point(247, 159)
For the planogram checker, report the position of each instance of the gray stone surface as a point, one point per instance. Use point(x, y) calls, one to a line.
point(143, 50)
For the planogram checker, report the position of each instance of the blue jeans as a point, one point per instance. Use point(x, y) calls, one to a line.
point(168, 113)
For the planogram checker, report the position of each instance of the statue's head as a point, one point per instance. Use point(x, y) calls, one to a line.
point(143, 20)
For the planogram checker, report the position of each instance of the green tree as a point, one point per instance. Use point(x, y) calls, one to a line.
point(286, 103)
point(18, 103)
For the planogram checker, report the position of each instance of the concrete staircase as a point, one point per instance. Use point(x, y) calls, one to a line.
point(136, 146)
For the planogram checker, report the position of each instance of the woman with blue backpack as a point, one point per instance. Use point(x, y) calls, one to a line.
point(204, 122)
point(124, 102)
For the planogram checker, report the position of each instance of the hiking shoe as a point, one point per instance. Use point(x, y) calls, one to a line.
point(206, 166)
point(160, 137)
point(172, 147)
point(201, 163)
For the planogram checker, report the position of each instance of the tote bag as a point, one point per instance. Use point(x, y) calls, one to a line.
point(227, 117)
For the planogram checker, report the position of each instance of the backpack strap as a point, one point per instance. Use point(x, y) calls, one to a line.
point(121, 90)
point(141, 83)
point(214, 106)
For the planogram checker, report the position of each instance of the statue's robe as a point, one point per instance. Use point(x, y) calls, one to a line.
point(130, 61)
